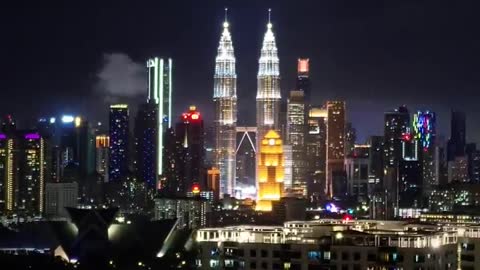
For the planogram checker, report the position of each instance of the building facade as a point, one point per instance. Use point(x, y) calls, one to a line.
point(335, 147)
point(296, 130)
point(190, 135)
point(270, 171)
point(316, 152)
point(159, 96)
point(119, 142)
point(268, 88)
point(225, 100)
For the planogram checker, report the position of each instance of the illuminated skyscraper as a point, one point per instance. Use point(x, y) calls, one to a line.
point(316, 152)
point(23, 157)
point(190, 134)
point(225, 99)
point(424, 127)
point(102, 146)
point(303, 78)
point(146, 141)
point(6, 173)
point(160, 96)
point(268, 85)
point(396, 124)
point(335, 147)
point(296, 138)
point(119, 131)
point(270, 171)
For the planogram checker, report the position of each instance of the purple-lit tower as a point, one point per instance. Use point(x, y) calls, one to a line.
point(424, 127)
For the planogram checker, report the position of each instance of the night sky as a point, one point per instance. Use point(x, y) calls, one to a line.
point(377, 55)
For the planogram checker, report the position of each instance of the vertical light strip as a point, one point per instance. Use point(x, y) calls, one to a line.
point(9, 193)
point(160, 119)
point(42, 183)
point(170, 89)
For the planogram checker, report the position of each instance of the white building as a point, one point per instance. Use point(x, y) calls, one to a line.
point(328, 244)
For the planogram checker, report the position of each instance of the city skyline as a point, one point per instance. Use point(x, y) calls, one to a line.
point(364, 82)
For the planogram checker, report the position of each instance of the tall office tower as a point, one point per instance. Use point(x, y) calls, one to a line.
point(410, 184)
point(375, 176)
point(69, 141)
point(119, 131)
point(85, 147)
point(26, 174)
point(190, 134)
point(102, 146)
point(268, 86)
point(316, 153)
point(3, 170)
point(270, 171)
point(159, 96)
point(396, 124)
point(350, 137)
point(146, 145)
point(335, 147)
point(375, 155)
point(424, 130)
point(303, 78)
point(225, 99)
point(296, 138)
point(246, 161)
point(474, 167)
point(170, 181)
point(357, 167)
point(457, 141)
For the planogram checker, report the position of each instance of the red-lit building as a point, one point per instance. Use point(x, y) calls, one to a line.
point(190, 135)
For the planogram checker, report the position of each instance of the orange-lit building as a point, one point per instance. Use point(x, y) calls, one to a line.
point(102, 143)
point(213, 182)
point(270, 171)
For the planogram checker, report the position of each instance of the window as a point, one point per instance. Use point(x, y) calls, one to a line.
point(276, 253)
point(419, 258)
point(313, 255)
point(356, 256)
point(468, 258)
point(214, 263)
point(253, 265)
point(326, 255)
point(276, 266)
point(334, 255)
point(345, 256)
point(264, 253)
point(253, 253)
point(345, 267)
point(371, 257)
point(467, 246)
point(264, 265)
point(356, 267)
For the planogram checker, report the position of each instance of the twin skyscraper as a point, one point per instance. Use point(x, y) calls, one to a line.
point(225, 99)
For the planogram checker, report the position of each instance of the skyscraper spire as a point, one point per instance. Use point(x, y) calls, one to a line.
point(268, 87)
point(225, 99)
point(268, 83)
point(226, 15)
